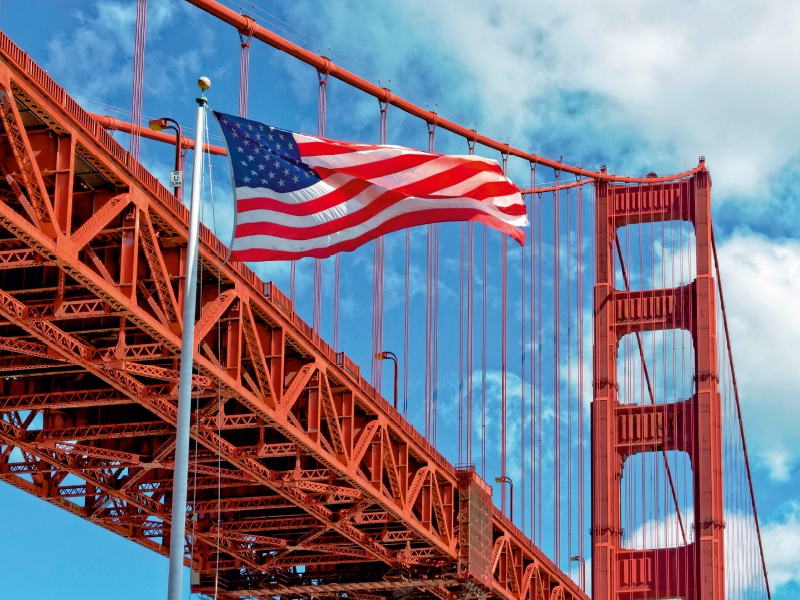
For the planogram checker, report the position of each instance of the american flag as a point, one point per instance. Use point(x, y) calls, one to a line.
point(299, 195)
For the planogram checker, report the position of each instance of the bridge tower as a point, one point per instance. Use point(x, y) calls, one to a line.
point(693, 571)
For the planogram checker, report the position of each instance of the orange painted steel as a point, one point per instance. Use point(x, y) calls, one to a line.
point(245, 24)
point(695, 570)
point(295, 460)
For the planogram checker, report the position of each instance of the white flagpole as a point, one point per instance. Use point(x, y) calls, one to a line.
point(180, 484)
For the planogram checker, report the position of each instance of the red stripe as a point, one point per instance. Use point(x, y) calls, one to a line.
point(439, 215)
point(515, 210)
point(448, 178)
point(333, 198)
point(492, 189)
point(398, 223)
point(323, 147)
point(387, 166)
point(380, 204)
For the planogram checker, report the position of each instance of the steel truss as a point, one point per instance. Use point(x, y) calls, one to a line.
point(296, 460)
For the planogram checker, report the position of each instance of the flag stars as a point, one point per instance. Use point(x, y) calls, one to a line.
point(278, 145)
point(246, 180)
point(281, 182)
point(261, 126)
point(295, 179)
point(240, 149)
point(250, 158)
point(286, 172)
point(270, 137)
point(244, 163)
point(272, 175)
point(234, 134)
point(261, 167)
point(291, 146)
point(250, 126)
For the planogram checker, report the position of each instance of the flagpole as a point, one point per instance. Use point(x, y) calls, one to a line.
point(181, 476)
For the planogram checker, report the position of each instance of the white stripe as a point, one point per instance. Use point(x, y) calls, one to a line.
point(408, 205)
point(355, 204)
point(424, 171)
point(357, 159)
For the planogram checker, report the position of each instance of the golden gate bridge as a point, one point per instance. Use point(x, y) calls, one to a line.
point(304, 481)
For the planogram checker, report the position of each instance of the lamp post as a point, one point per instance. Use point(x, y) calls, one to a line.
point(581, 560)
point(391, 356)
point(507, 479)
point(177, 175)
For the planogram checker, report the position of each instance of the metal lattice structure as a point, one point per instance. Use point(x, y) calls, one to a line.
point(296, 460)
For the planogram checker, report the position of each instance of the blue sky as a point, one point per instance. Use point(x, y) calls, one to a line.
point(638, 86)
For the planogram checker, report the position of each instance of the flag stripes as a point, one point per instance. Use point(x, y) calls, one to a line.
point(297, 195)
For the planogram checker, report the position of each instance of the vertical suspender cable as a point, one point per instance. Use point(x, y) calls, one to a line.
point(504, 356)
point(556, 376)
point(138, 74)
point(431, 311)
point(522, 340)
point(406, 322)
point(580, 382)
point(461, 346)
point(532, 361)
point(292, 280)
point(483, 356)
point(470, 321)
point(322, 112)
point(336, 268)
point(569, 378)
point(245, 36)
point(377, 272)
point(539, 366)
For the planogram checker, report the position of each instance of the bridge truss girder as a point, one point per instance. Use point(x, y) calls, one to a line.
point(296, 460)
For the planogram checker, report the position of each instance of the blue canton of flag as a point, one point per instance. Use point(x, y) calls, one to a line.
point(264, 157)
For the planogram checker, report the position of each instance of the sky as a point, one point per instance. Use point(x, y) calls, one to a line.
point(638, 86)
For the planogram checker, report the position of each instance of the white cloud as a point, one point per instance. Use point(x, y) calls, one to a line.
point(762, 291)
point(683, 78)
point(782, 547)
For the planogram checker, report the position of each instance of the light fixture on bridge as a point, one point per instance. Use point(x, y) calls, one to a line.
point(507, 479)
point(393, 357)
point(581, 560)
point(176, 176)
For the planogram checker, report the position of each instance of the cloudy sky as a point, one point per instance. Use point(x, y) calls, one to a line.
point(638, 86)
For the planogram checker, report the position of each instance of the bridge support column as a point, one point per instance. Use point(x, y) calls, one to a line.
point(693, 570)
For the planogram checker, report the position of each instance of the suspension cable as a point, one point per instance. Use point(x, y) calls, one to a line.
point(138, 75)
point(245, 35)
point(322, 112)
point(739, 414)
point(377, 269)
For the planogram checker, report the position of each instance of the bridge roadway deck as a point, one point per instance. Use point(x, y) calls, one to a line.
point(305, 481)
